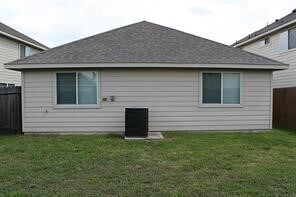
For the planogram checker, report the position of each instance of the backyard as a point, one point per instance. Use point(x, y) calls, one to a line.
point(204, 164)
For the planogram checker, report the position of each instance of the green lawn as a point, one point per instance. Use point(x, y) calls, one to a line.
point(184, 164)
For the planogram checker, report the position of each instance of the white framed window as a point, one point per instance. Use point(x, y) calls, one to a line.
point(221, 88)
point(24, 51)
point(267, 41)
point(79, 88)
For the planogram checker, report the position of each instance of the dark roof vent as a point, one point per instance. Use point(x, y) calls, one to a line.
point(294, 11)
point(276, 20)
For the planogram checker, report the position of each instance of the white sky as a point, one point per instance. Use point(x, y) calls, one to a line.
point(55, 22)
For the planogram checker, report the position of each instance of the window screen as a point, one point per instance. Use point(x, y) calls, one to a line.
point(87, 88)
point(231, 88)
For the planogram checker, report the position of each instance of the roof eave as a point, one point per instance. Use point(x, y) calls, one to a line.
point(20, 67)
point(22, 40)
point(264, 34)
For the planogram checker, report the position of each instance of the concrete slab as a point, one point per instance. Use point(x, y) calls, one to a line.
point(151, 136)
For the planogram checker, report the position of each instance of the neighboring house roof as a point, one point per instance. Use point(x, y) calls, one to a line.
point(144, 42)
point(12, 33)
point(277, 25)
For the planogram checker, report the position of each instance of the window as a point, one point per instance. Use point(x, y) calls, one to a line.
point(266, 41)
point(292, 38)
point(221, 88)
point(24, 51)
point(77, 88)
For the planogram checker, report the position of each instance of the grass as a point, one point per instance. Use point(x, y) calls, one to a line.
point(184, 164)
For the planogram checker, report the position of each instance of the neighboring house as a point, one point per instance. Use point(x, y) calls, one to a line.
point(187, 82)
point(276, 41)
point(14, 45)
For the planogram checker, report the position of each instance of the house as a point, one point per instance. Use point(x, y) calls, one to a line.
point(14, 45)
point(187, 82)
point(276, 41)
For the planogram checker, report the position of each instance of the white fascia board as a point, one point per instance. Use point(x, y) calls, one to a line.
point(145, 65)
point(24, 41)
point(266, 33)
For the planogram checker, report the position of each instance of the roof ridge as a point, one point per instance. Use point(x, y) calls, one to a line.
point(249, 36)
point(233, 48)
point(145, 42)
point(29, 39)
point(85, 38)
point(72, 42)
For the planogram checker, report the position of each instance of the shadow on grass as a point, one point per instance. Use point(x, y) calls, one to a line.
point(114, 136)
point(287, 130)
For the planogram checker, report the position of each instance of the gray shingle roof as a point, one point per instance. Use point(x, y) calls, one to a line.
point(277, 23)
point(145, 42)
point(4, 28)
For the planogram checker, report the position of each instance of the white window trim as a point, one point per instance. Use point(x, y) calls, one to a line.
point(288, 51)
point(201, 104)
point(70, 106)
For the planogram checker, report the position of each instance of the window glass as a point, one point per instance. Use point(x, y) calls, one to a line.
point(22, 51)
point(231, 88)
point(87, 88)
point(211, 88)
point(66, 88)
point(292, 38)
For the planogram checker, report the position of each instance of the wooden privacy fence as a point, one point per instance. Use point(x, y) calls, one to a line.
point(284, 107)
point(10, 110)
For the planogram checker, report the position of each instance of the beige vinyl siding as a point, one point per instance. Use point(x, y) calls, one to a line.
point(9, 51)
point(172, 96)
point(284, 78)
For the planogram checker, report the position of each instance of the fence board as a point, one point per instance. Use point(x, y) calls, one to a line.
point(10, 110)
point(284, 107)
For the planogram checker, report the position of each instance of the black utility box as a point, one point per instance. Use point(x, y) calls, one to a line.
point(136, 122)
